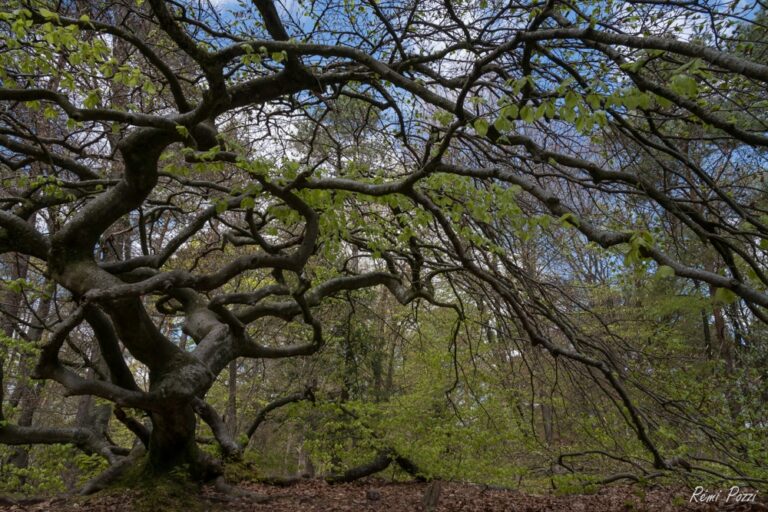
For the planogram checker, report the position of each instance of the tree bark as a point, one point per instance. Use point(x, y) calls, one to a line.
point(172, 441)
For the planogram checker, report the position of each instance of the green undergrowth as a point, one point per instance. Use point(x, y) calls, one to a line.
point(241, 471)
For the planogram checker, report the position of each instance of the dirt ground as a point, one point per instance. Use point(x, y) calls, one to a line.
point(379, 496)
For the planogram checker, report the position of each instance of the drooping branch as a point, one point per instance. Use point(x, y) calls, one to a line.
point(146, 51)
point(41, 154)
point(261, 416)
point(86, 114)
point(536, 338)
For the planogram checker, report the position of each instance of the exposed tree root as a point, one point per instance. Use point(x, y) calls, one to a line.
point(628, 476)
point(114, 472)
point(203, 469)
point(23, 502)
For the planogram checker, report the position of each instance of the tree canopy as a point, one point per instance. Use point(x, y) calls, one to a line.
point(544, 220)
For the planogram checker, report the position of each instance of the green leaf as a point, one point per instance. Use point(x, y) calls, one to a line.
point(724, 296)
point(49, 15)
point(183, 131)
point(519, 84)
point(510, 111)
point(684, 85)
point(50, 112)
point(665, 271)
point(526, 114)
point(569, 220)
point(593, 100)
point(92, 99)
point(662, 102)
point(443, 117)
point(571, 99)
point(481, 126)
point(502, 124)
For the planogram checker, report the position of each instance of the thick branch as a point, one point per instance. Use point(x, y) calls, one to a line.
point(80, 437)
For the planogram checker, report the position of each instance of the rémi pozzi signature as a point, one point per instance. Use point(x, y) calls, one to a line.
point(734, 495)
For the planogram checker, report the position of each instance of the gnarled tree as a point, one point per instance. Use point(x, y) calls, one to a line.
point(218, 165)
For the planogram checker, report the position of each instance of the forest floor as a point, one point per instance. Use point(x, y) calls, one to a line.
point(381, 496)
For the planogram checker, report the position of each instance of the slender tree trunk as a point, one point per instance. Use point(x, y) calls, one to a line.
point(350, 369)
point(28, 392)
point(707, 334)
point(231, 416)
point(546, 415)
